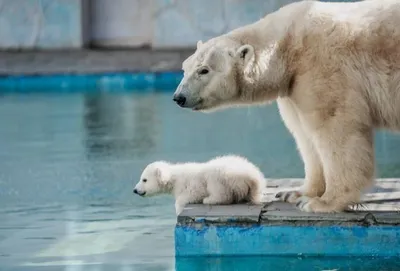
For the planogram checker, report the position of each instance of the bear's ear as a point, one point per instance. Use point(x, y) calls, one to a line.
point(245, 53)
point(199, 43)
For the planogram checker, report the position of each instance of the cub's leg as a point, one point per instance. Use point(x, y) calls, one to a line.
point(217, 193)
point(255, 193)
point(180, 203)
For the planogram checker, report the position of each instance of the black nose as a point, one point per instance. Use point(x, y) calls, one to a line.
point(135, 191)
point(180, 99)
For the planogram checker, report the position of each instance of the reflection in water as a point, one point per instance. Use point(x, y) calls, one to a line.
point(68, 163)
point(117, 124)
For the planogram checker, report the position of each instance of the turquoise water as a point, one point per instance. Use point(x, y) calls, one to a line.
point(68, 163)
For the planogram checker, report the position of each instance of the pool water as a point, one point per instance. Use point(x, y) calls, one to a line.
point(68, 163)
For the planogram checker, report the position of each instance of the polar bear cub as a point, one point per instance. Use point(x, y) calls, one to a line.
point(222, 180)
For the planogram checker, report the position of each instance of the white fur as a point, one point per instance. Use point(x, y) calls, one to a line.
point(223, 180)
point(334, 70)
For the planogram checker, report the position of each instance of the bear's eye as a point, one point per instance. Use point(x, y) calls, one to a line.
point(203, 71)
point(144, 180)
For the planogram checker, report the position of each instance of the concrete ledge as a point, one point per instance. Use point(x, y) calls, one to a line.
point(15, 63)
point(280, 229)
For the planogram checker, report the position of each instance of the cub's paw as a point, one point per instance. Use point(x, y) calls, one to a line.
point(288, 196)
point(179, 208)
point(210, 201)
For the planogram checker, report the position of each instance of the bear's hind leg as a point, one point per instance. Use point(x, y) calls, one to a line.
point(218, 194)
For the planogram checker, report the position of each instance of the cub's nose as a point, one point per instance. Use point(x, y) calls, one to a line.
point(135, 191)
point(180, 99)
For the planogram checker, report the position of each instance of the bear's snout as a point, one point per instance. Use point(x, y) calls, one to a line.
point(135, 191)
point(179, 99)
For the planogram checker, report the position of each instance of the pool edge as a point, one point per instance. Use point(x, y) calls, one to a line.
point(277, 228)
point(95, 82)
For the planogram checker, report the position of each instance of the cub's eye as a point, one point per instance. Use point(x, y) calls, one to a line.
point(144, 180)
point(203, 71)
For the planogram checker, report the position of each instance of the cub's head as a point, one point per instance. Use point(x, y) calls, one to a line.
point(212, 75)
point(154, 180)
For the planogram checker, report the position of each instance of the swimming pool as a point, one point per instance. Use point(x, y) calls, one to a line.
point(68, 163)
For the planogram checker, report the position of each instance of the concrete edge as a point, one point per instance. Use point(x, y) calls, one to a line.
point(277, 213)
point(281, 213)
point(105, 82)
point(279, 229)
point(239, 214)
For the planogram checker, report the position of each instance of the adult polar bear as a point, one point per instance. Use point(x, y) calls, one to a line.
point(334, 69)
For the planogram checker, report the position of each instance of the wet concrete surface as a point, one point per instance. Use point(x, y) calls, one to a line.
point(91, 61)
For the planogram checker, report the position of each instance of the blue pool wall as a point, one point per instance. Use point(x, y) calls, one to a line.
point(107, 82)
point(264, 240)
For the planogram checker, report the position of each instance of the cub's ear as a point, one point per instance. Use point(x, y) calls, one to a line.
point(162, 173)
point(245, 53)
point(199, 43)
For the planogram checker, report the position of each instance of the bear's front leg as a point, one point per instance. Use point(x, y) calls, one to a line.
point(346, 150)
point(314, 184)
point(180, 204)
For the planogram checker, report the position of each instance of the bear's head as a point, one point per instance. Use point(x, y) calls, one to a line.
point(154, 180)
point(212, 75)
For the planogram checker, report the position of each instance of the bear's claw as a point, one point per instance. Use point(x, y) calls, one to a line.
point(288, 196)
point(303, 203)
